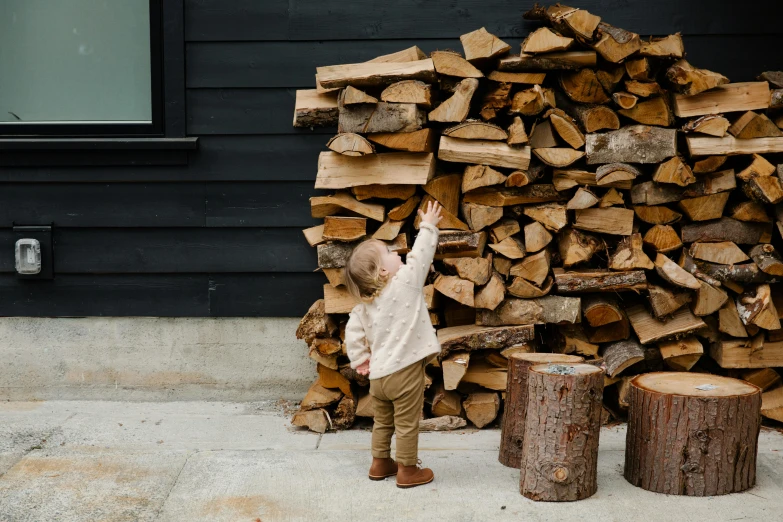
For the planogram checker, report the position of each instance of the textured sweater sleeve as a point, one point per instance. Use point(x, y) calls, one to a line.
point(419, 259)
point(356, 340)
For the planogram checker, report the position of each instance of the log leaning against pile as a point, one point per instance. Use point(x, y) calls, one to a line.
point(602, 197)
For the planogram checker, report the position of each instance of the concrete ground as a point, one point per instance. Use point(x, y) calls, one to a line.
point(209, 461)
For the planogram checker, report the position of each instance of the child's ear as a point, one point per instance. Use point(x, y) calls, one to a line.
point(383, 271)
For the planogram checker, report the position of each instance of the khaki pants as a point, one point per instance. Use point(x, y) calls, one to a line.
point(398, 400)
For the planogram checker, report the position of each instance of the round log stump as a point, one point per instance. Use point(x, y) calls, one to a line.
point(692, 434)
point(560, 454)
point(512, 431)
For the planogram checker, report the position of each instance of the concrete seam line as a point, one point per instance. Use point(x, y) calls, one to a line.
point(174, 483)
point(318, 442)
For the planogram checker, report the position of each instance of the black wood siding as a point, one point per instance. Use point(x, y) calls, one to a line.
point(222, 235)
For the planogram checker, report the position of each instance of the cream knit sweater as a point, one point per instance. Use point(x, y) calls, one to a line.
point(394, 330)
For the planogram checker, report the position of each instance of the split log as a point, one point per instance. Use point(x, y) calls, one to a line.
point(336, 276)
point(591, 118)
point(522, 288)
point(473, 337)
point(409, 91)
point(566, 128)
point(572, 339)
point(625, 100)
point(621, 355)
point(529, 102)
point(337, 171)
point(576, 281)
point(613, 173)
point(725, 253)
point(533, 268)
point(689, 81)
point(772, 404)
point(543, 310)
point(486, 375)
point(643, 89)
point(542, 135)
point(764, 378)
point(512, 434)
point(516, 132)
point(726, 229)
point(314, 235)
point(456, 108)
point(753, 125)
point(630, 256)
point(559, 156)
point(353, 96)
point(448, 220)
point(454, 367)
point(536, 237)
point(319, 397)
point(583, 87)
point(600, 310)
point(618, 221)
point(650, 329)
point(456, 288)
point(639, 69)
point(609, 333)
point(477, 176)
point(611, 198)
point(681, 354)
point(527, 78)
point(706, 208)
point(512, 196)
point(445, 189)
point(711, 125)
point(767, 259)
point(446, 402)
point(732, 97)
point(491, 295)
point(483, 152)
point(759, 167)
point(562, 400)
point(756, 307)
point(375, 74)
point(665, 302)
point(650, 193)
point(482, 45)
point(314, 420)
point(481, 216)
point(674, 171)
point(344, 228)
point(707, 411)
point(747, 353)
point(494, 100)
point(552, 215)
point(445, 423)
point(615, 44)
point(544, 40)
point(569, 61)
point(316, 323)
point(388, 230)
point(582, 199)
point(423, 140)
point(482, 408)
point(404, 209)
point(312, 109)
point(334, 255)
point(381, 117)
point(406, 55)
point(338, 300)
point(667, 47)
point(505, 228)
point(476, 130)
point(633, 144)
point(450, 63)
point(708, 299)
point(656, 215)
point(511, 247)
point(655, 111)
point(362, 192)
point(708, 164)
point(576, 247)
point(729, 321)
point(476, 270)
point(729, 145)
point(767, 190)
point(674, 274)
point(568, 179)
point(456, 243)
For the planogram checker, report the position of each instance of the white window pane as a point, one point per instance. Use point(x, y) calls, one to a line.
point(72, 61)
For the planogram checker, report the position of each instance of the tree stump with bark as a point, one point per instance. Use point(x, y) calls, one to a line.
point(692, 434)
point(560, 454)
point(512, 433)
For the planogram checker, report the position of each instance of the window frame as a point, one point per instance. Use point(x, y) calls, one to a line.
point(102, 130)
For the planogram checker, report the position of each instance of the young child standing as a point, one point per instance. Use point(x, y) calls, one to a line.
point(389, 336)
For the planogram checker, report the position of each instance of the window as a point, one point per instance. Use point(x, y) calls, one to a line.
point(80, 67)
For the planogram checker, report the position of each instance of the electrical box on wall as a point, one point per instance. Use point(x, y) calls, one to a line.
point(34, 252)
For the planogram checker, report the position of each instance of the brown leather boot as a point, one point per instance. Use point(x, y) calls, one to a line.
point(382, 468)
point(412, 476)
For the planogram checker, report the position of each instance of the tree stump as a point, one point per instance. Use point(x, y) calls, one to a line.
point(692, 434)
point(512, 432)
point(560, 454)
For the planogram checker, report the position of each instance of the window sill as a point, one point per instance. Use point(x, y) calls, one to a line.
point(94, 152)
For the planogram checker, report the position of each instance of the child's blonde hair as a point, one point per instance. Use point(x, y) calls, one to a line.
point(363, 270)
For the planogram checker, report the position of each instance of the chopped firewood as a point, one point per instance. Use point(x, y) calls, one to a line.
point(639, 69)
point(374, 74)
point(483, 152)
point(338, 300)
point(477, 270)
point(615, 44)
point(611, 198)
point(507, 227)
point(708, 299)
point(724, 253)
point(630, 256)
point(542, 135)
point(454, 367)
point(544, 40)
point(571, 338)
point(764, 378)
point(516, 132)
point(518, 178)
point(534, 268)
point(456, 288)
point(600, 310)
point(520, 287)
point(485, 374)
point(559, 156)
point(329, 361)
point(511, 247)
point(320, 397)
point(643, 89)
point(609, 76)
point(726, 229)
point(755, 307)
point(456, 108)
point(446, 402)
point(388, 230)
point(450, 63)
point(582, 23)
point(476, 130)
point(590, 117)
point(495, 99)
point(773, 77)
point(430, 297)
point(665, 302)
point(336, 276)
point(566, 128)
point(443, 423)
point(445, 189)
point(649, 329)
point(474, 337)
point(334, 380)
point(655, 111)
point(481, 45)
point(666, 47)
point(353, 96)
point(423, 140)
point(337, 171)
point(674, 274)
point(772, 404)
point(316, 323)
point(621, 355)
point(705, 207)
point(406, 55)
point(527, 78)
point(730, 145)
point(609, 333)
point(732, 97)
point(708, 164)
point(490, 295)
point(409, 91)
point(749, 353)
point(729, 321)
point(576, 247)
point(405, 209)
point(750, 211)
point(568, 179)
point(381, 117)
point(657, 215)
point(477, 176)
point(610, 220)
point(315, 420)
point(314, 235)
point(674, 171)
point(582, 199)
point(613, 173)
point(312, 109)
point(512, 196)
point(776, 102)
point(583, 87)
point(576, 281)
point(767, 259)
point(636, 143)
point(681, 354)
point(551, 215)
point(662, 238)
point(712, 125)
point(344, 228)
point(536, 237)
point(625, 100)
point(568, 60)
point(753, 125)
point(651, 193)
point(690, 81)
point(758, 168)
point(456, 243)
point(528, 102)
point(481, 408)
point(549, 309)
point(362, 192)
point(501, 265)
point(481, 216)
point(765, 189)
point(322, 206)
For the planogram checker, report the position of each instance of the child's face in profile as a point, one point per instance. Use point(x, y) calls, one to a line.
point(390, 261)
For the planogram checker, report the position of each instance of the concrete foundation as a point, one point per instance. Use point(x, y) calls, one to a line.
point(152, 359)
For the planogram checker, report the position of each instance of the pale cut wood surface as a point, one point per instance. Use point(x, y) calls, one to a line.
point(483, 152)
point(336, 171)
point(731, 146)
point(373, 74)
point(731, 97)
point(649, 329)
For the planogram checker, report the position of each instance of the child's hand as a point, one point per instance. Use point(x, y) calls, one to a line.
point(364, 368)
point(432, 214)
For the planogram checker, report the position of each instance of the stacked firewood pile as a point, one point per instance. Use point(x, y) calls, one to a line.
point(602, 197)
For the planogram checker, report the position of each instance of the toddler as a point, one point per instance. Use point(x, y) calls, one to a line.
point(389, 336)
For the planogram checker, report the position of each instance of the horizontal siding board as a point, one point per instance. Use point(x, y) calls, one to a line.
point(247, 65)
point(266, 295)
point(102, 204)
point(106, 295)
point(272, 204)
point(236, 19)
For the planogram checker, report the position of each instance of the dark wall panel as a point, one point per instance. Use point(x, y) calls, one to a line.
point(272, 204)
point(275, 295)
point(236, 19)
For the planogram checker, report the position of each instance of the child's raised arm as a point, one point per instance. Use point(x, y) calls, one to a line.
point(419, 259)
point(356, 340)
